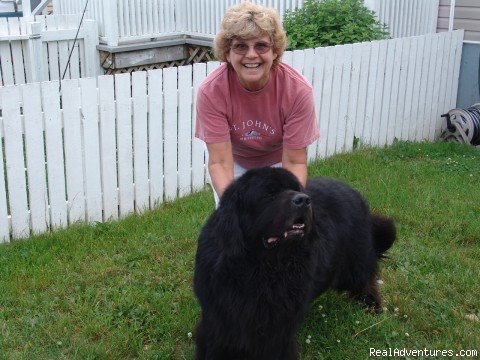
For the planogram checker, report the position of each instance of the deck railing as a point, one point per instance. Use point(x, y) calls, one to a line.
point(127, 21)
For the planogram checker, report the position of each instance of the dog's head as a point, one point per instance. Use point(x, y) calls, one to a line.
point(263, 210)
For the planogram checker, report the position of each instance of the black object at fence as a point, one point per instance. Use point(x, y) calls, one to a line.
point(463, 125)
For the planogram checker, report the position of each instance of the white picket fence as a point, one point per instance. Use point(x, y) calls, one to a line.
point(39, 50)
point(125, 21)
point(102, 148)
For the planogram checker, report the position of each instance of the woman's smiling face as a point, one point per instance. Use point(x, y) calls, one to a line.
point(252, 68)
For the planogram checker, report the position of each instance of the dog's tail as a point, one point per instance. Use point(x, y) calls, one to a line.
point(384, 233)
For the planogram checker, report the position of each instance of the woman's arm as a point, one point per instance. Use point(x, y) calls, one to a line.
point(295, 160)
point(220, 165)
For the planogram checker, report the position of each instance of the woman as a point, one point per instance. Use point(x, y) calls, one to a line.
point(253, 110)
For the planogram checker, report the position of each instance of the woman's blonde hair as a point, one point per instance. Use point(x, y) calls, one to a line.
point(248, 21)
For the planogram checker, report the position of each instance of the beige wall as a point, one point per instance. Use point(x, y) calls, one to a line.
point(443, 15)
point(467, 16)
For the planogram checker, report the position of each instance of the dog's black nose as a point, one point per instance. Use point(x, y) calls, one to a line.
point(301, 200)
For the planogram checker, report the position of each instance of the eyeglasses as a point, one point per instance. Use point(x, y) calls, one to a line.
point(259, 47)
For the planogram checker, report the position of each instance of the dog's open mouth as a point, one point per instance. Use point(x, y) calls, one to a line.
point(296, 231)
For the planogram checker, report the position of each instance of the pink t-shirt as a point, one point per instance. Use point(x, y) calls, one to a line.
point(258, 123)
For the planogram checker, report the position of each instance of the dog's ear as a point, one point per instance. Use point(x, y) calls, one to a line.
point(229, 234)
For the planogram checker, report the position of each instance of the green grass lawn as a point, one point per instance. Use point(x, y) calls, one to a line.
point(123, 290)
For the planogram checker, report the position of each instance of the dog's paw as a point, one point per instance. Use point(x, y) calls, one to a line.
point(370, 303)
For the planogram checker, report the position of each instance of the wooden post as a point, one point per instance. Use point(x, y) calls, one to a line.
point(35, 56)
point(110, 16)
point(26, 9)
point(92, 58)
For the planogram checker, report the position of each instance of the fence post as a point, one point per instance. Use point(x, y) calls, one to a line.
point(110, 18)
point(92, 59)
point(35, 52)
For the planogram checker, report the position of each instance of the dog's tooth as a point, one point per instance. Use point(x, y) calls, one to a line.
point(272, 240)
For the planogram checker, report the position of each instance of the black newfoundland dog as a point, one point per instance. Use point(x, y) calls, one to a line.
point(270, 249)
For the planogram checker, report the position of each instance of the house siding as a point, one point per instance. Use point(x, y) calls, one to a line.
point(467, 16)
point(443, 15)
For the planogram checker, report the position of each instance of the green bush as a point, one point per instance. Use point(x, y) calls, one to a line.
point(331, 22)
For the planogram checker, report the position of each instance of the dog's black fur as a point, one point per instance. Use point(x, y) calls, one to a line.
point(269, 250)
